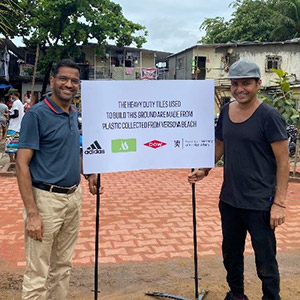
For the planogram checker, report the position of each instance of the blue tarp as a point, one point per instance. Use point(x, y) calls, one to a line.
point(5, 86)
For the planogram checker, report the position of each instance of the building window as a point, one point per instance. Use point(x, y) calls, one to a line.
point(273, 62)
point(179, 63)
point(30, 58)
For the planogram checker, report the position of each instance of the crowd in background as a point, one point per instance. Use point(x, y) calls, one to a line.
point(12, 110)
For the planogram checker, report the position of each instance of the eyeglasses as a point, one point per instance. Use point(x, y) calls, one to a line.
point(64, 80)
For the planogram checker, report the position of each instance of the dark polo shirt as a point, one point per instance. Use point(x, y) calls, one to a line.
point(53, 135)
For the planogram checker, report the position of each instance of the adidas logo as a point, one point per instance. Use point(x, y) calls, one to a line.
point(94, 148)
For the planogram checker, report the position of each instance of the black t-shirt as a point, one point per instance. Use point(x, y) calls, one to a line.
point(249, 162)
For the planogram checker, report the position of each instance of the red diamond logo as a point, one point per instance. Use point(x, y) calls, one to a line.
point(155, 144)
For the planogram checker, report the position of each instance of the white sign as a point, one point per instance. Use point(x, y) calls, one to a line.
point(133, 125)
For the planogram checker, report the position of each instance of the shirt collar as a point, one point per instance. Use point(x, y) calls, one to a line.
point(55, 108)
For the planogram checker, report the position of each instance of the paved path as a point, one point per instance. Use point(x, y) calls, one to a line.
point(145, 215)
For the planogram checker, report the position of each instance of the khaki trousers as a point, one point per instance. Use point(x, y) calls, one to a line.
point(48, 263)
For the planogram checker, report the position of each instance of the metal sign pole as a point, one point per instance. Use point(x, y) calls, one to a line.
point(203, 292)
point(195, 240)
point(97, 239)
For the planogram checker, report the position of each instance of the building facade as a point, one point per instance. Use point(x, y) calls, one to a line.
point(213, 62)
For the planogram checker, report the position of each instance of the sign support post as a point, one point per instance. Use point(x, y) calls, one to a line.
point(203, 292)
point(96, 291)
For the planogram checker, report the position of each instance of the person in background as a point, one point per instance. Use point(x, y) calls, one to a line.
point(48, 170)
point(253, 139)
point(3, 117)
point(27, 104)
point(15, 118)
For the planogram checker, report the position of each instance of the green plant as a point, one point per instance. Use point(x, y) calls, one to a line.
point(284, 99)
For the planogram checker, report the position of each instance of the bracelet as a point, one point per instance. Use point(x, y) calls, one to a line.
point(282, 206)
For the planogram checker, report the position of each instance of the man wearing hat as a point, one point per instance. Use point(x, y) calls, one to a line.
point(15, 118)
point(252, 137)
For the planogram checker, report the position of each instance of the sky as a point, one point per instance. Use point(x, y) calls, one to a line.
point(173, 25)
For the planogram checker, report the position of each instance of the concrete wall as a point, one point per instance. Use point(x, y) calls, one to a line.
point(290, 54)
point(182, 70)
point(218, 60)
point(214, 65)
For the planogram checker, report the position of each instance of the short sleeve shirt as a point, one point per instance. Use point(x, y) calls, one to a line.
point(15, 123)
point(3, 110)
point(249, 162)
point(53, 135)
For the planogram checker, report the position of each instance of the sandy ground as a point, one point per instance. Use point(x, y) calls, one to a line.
point(131, 281)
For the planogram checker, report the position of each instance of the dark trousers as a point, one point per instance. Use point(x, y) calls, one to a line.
point(235, 224)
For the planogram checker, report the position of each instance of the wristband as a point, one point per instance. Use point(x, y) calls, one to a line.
point(282, 206)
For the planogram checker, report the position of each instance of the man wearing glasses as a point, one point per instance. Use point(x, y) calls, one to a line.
point(48, 173)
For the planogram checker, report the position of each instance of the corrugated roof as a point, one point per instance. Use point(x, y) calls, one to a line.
point(237, 44)
point(12, 47)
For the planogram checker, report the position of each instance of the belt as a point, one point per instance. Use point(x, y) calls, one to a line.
point(55, 188)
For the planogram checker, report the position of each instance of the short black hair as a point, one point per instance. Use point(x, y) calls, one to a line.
point(65, 63)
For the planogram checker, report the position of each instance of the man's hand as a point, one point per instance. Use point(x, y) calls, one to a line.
point(197, 175)
point(34, 227)
point(277, 216)
point(93, 184)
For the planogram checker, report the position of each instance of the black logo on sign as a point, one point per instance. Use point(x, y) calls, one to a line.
point(94, 148)
point(177, 143)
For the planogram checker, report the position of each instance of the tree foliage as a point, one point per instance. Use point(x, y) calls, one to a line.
point(74, 22)
point(287, 16)
point(60, 26)
point(10, 13)
point(216, 30)
point(255, 20)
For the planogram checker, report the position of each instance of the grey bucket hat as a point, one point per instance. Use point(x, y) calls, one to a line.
point(244, 69)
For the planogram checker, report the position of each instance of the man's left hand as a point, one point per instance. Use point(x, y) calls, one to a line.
point(277, 216)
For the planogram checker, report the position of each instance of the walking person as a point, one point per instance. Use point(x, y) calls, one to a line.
point(252, 137)
point(3, 117)
point(15, 118)
point(48, 171)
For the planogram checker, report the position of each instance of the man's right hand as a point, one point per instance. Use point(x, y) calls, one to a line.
point(197, 175)
point(34, 227)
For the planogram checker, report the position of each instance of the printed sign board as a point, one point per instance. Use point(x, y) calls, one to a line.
point(159, 124)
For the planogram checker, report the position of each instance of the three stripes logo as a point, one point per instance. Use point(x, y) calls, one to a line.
point(94, 148)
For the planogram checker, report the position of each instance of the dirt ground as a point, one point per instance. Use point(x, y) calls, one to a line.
point(131, 281)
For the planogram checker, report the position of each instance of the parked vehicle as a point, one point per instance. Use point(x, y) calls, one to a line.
point(292, 132)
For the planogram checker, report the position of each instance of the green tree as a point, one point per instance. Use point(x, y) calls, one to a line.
point(59, 26)
point(287, 17)
point(216, 30)
point(10, 13)
point(252, 20)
